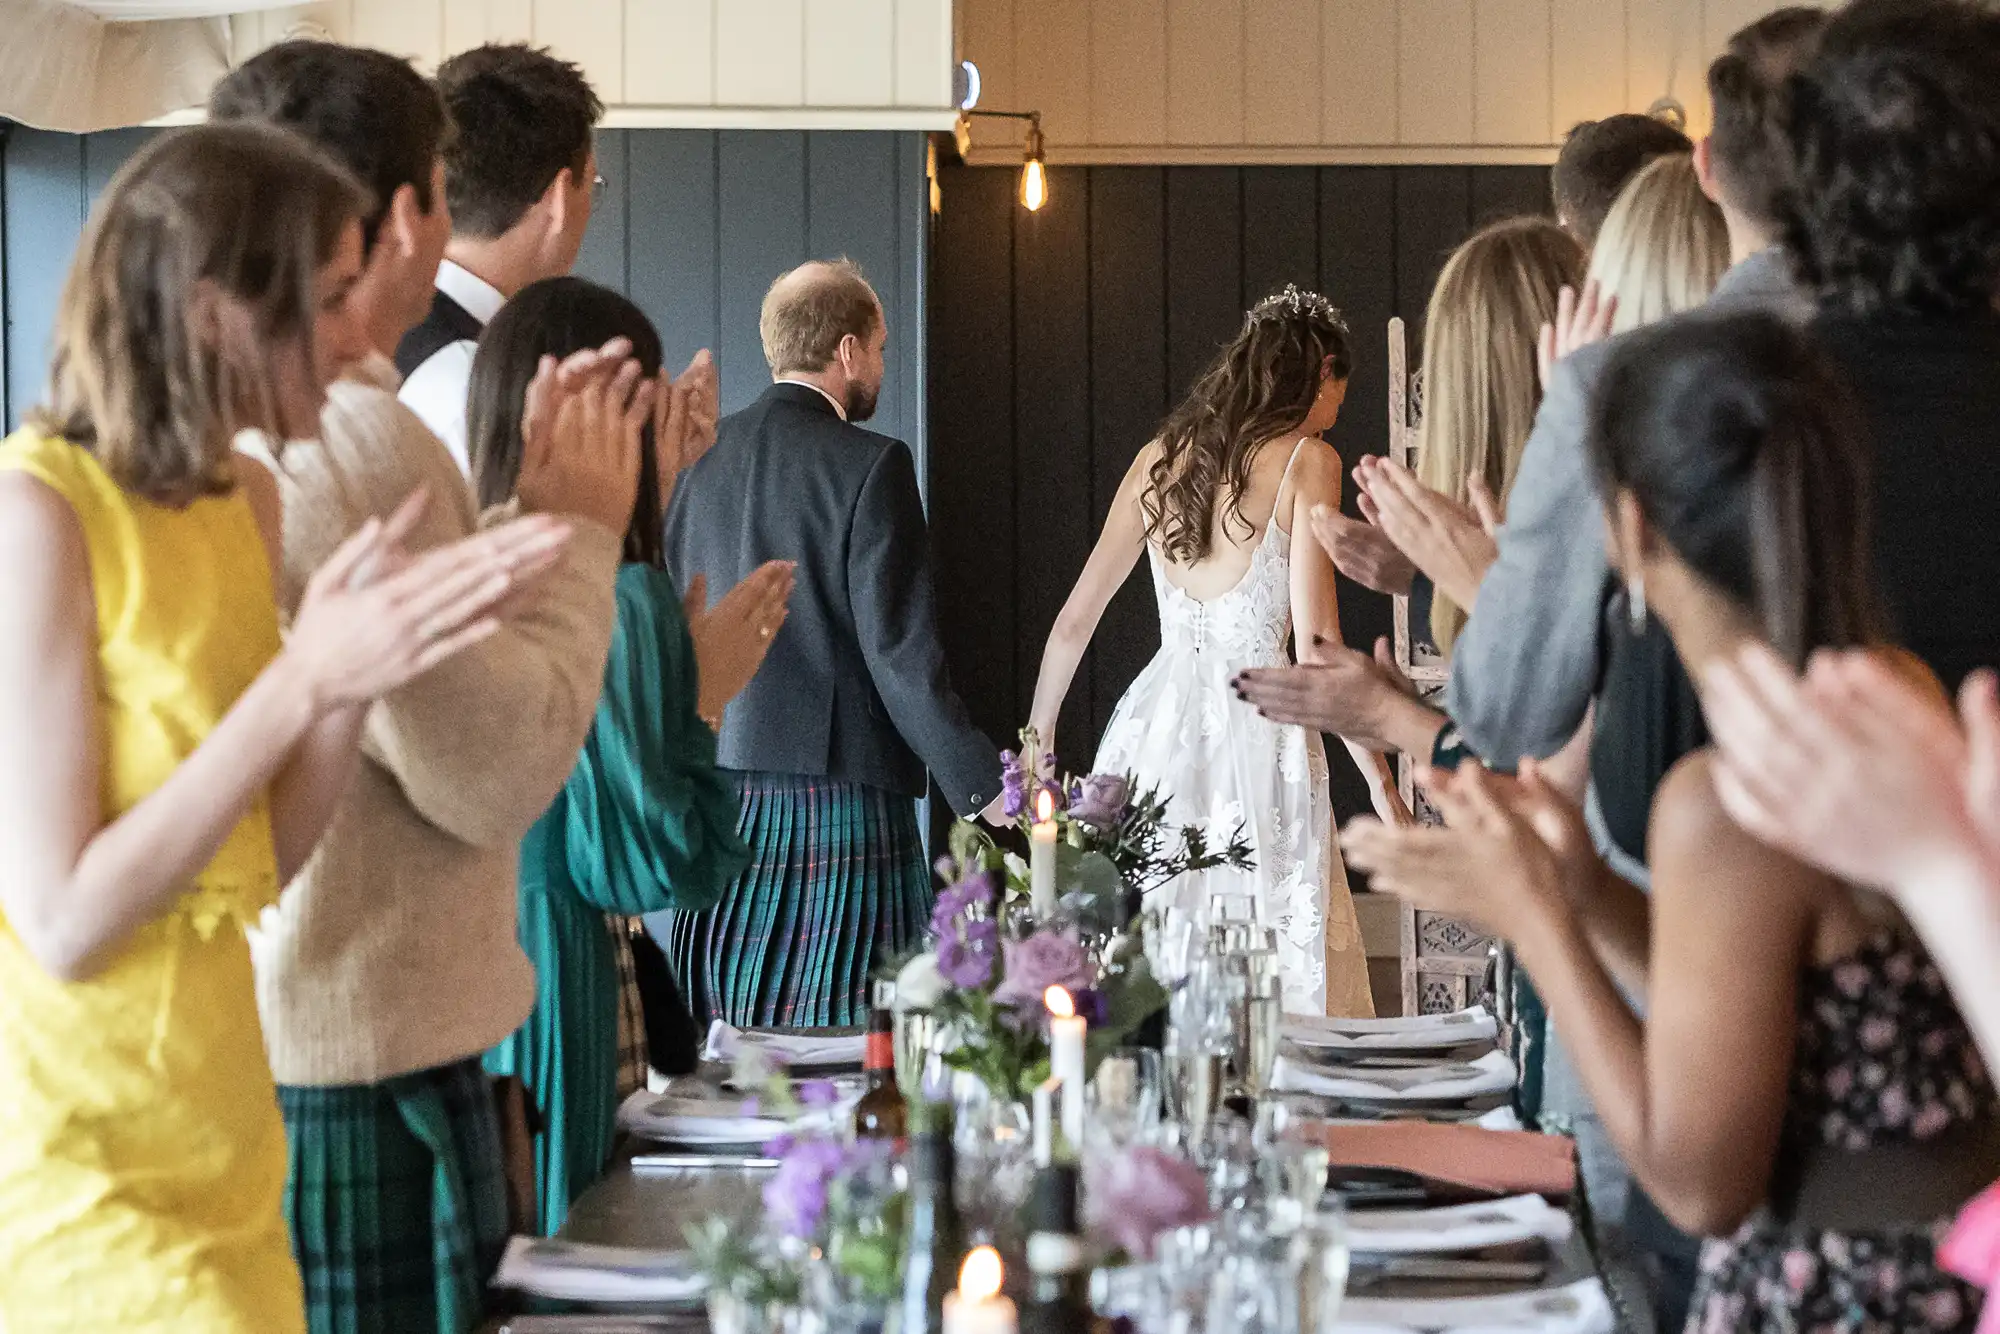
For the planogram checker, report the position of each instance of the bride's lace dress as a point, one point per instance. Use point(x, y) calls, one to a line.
point(1222, 764)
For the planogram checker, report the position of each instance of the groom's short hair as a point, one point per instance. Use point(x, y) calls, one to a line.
point(810, 309)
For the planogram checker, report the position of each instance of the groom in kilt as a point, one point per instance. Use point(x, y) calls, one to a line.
point(830, 741)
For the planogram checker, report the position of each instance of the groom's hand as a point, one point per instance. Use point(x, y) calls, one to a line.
point(1348, 694)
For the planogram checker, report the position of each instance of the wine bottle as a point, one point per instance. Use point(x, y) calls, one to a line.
point(882, 1113)
point(936, 1242)
point(1058, 1263)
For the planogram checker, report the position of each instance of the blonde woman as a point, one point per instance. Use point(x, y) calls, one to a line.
point(1481, 388)
point(1663, 247)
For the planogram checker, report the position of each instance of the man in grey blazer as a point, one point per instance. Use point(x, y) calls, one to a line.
point(830, 742)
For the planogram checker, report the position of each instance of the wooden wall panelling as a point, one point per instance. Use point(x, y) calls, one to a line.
point(592, 35)
point(1358, 71)
point(1508, 192)
point(1587, 45)
point(671, 229)
point(972, 417)
point(603, 256)
point(760, 53)
point(1720, 19)
point(1433, 214)
point(1053, 516)
point(986, 36)
point(924, 60)
point(1434, 61)
point(510, 20)
point(1281, 94)
point(1511, 79)
point(1357, 264)
point(46, 203)
point(1204, 269)
point(1663, 55)
point(762, 210)
point(851, 54)
point(1052, 61)
point(1128, 72)
point(1129, 395)
point(413, 28)
point(1206, 69)
point(1280, 231)
point(669, 51)
point(849, 176)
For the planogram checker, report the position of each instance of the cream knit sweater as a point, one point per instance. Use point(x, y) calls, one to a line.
point(395, 949)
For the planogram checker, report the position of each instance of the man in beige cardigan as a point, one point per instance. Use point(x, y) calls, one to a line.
point(392, 963)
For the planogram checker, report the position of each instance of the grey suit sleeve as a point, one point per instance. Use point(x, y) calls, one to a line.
point(895, 615)
point(1525, 664)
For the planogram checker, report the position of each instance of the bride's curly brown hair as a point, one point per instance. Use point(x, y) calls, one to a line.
point(1259, 387)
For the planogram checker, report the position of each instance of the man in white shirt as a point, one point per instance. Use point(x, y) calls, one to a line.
point(520, 174)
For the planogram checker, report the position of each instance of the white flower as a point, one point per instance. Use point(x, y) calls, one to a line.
point(920, 985)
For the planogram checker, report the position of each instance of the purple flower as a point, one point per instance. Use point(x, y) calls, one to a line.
point(1134, 1196)
point(819, 1093)
point(1093, 1005)
point(795, 1196)
point(966, 957)
point(1013, 785)
point(980, 888)
point(1045, 959)
point(1102, 803)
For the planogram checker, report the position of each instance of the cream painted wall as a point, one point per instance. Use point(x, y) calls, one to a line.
point(1251, 81)
point(805, 64)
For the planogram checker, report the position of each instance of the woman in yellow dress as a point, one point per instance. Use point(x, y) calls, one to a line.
point(165, 763)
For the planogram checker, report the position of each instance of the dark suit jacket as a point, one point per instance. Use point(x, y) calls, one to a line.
point(855, 685)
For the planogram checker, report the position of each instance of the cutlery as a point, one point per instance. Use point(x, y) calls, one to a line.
point(677, 1162)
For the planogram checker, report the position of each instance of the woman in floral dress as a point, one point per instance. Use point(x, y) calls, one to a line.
point(1801, 1090)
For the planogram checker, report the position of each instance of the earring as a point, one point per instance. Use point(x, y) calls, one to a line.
point(1635, 603)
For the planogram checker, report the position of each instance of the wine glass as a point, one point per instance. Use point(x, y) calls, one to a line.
point(1124, 1096)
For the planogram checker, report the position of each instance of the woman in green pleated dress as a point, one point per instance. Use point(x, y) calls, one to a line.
point(645, 823)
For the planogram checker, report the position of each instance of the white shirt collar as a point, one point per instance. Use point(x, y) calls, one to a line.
point(839, 409)
point(481, 299)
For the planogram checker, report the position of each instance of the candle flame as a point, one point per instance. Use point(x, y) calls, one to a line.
point(979, 1278)
point(1045, 807)
point(1059, 1003)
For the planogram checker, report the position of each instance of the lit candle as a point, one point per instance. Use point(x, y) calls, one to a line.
point(1067, 1032)
point(977, 1307)
point(1042, 859)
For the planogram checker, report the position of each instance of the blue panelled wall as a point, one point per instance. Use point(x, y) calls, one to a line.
point(693, 225)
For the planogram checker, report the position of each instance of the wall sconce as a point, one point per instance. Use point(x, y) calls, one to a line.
point(1034, 164)
point(1669, 110)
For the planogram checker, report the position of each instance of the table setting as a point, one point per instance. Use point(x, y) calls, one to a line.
point(1078, 1108)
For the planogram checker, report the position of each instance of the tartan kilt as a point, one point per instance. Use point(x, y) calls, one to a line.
point(397, 1201)
point(836, 883)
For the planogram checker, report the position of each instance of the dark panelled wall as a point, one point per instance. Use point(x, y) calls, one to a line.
point(693, 226)
point(1059, 339)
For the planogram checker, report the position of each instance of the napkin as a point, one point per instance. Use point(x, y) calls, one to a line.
point(1416, 1033)
point(576, 1272)
point(1575, 1308)
point(696, 1121)
point(724, 1042)
point(1491, 1073)
point(1512, 1162)
point(1456, 1227)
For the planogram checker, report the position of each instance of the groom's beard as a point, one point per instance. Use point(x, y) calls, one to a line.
point(860, 402)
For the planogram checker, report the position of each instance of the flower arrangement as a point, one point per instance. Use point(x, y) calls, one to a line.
point(832, 1219)
point(1132, 1196)
point(989, 965)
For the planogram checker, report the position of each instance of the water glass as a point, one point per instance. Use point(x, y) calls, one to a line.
point(1124, 1096)
point(1254, 1290)
point(1318, 1263)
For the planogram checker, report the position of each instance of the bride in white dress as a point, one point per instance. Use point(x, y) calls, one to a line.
point(1219, 503)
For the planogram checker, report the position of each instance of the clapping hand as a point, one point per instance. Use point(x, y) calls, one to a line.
point(732, 637)
point(1362, 552)
point(1856, 768)
point(1448, 541)
point(1347, 693)
point(582, 423)
point(375, 616)
point(1578, 321)
point(685, 412)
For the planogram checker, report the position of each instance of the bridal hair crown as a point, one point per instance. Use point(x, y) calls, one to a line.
point(1294, 303)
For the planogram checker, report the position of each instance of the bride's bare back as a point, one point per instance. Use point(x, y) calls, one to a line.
point(1234, 540)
